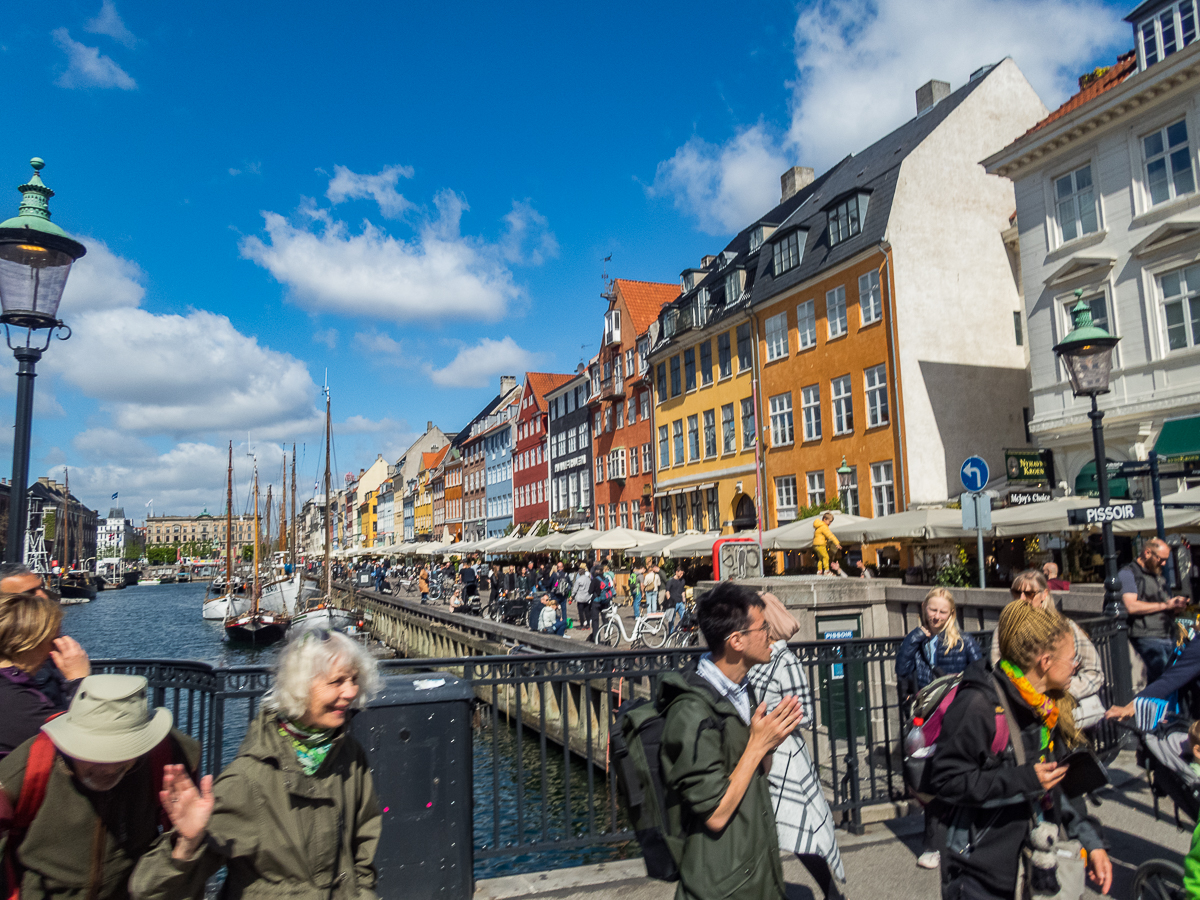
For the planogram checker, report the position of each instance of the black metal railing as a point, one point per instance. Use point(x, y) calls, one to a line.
point(544, 793)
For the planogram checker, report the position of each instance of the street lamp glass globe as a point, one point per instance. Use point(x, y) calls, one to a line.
point(32, 279)
point(1089, 367)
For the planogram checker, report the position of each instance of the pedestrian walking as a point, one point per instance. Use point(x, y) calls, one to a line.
point(635, 589)
point(1000, 801)
point(295, 814)
point(934, 648)
point(676, 600)
point(652, 585)
point(582, 595)
point(822, 538)
point(423, 582)
point(803, 819)
point(98, 765)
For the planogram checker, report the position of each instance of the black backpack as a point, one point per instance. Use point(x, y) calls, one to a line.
point(635, 740)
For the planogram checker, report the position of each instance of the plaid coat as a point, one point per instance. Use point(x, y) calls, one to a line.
point(802, 815)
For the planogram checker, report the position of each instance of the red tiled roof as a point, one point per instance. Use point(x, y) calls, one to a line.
point(1126, 66)
point(644, 299)
point(543, 382)
point(432, 460)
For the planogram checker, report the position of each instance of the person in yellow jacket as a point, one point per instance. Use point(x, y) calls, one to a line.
point(822, 537)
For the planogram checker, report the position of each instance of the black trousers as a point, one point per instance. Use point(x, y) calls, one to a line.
point(818, 868)
point(961, 886)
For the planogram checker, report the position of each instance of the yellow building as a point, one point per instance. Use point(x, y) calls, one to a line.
point(704, 424)
point(368, 520)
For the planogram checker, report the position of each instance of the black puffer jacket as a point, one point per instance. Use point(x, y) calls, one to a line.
point(992, 798)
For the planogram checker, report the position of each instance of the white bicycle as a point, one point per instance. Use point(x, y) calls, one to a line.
point(648, 630)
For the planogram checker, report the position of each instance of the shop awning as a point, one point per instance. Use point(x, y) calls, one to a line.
point(1087, 486)
point(1179, 440)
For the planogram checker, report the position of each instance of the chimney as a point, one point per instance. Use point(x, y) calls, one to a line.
point(507, 383)
point(930, 94)
point(428, 425)
point(706, 261)
point(794, 180)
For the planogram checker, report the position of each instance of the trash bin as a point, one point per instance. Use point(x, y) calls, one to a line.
point(417, 734)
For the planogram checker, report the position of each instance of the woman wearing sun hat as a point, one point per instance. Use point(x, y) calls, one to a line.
point(99, 812)
point(295, 814)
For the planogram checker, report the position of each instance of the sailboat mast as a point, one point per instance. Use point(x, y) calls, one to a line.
point(328, 520)
point(267, 533)
point(67, 521)
point(295, 515)
point(283, 528)
point(255, 532)
point(229, 525)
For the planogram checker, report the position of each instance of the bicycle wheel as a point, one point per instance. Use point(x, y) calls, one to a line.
point(656, 637)
point(1158, 879)
point(608, 635)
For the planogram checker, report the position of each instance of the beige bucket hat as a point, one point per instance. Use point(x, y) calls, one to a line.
point(109, 721)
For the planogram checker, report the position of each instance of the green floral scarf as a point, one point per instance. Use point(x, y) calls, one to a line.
point(311, 746)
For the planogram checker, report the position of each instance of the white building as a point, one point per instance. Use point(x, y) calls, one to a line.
point(1107, 204)
point(114, 534)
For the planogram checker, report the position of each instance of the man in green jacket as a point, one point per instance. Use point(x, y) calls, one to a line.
point(716, 753)
point(100, 812)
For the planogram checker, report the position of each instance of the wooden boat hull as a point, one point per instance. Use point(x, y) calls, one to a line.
point(131, 578)
point(256, 628)
point(331, 618)
point(80, 593)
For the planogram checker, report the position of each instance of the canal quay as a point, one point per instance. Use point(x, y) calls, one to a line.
point(545, 817)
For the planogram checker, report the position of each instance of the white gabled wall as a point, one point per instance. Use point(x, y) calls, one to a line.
point(964, 382)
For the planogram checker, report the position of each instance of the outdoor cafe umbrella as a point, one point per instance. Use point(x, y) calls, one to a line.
point(503, 544)
point(581, 539)
point(428, 549)
point(690, 545)
point(554, 540)
point(798, 535)
point(623, 539)
point(526, 544)
point(1037, 518)
point(920, 524)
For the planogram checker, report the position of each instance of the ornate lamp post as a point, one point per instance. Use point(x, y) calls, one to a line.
point(35, 259)
point(843, 473)
point(1087, 354)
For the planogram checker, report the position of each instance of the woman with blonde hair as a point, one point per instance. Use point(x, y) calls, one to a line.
point(998, 799)
point(934, 648)
point(295, 814)
point(39, 670)
point(1032, 586)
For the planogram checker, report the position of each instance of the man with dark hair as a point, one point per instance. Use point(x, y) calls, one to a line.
point(1151, 607)
point(716, 752)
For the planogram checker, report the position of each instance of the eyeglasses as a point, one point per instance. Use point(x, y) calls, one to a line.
point(1028, 592)
point(763, 627)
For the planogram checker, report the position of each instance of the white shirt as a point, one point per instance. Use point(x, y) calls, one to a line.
point(737, 694)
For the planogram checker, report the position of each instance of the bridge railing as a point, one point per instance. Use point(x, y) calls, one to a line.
point(544, 793)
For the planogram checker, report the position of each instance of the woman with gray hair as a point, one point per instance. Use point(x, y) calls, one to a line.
point(295, 813)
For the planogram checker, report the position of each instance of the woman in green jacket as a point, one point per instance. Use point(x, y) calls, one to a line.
point(295, 814)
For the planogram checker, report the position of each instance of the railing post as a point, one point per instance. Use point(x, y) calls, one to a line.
point(848, 671)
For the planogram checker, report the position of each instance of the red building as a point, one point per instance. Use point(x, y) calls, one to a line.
point(621, 405)
point(531, 452)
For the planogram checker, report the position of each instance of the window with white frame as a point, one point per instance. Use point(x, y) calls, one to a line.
point(1075, 201)
point(573, 483)
point(733, 286)
point(633, 461)
point(728, 429)
point(875, 386)
point(624, 515)
point(749, 428)
point(883, 489)
point(1168, 163)
point(693, 436)
point(843, 407)
point(845, 219)
point(781, 419)
point(785, 498)
point(810, 405)
point(787, 253)
point(710, 433)
point(870, 300)
point(571, 446)
point(599, 469)
point(616, 463)
point(1181, 307)
point(816, 488)
point(806, 324)
point(1166, 31)
point(835, 311)
point(643, 350)
point(664, 447)
point(777, 337)
point(677, 441)
point(645, 406)
point(647, 458)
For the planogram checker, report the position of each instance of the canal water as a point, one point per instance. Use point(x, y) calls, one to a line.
point(163, 622)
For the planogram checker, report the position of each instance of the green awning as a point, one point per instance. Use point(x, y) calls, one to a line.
point(1086, 486)
point(1179, 440)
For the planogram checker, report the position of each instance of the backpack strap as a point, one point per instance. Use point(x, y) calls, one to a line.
point(38, 767)
point(1007, 722)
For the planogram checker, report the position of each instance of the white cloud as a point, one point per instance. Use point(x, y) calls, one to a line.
point(363, 425)
point(529, 239)
point(439, 274)
point(347, 185)
point(326, 336)
point(478, 365)
point(379, 344)
point(186, 375)
point(858, 64)
point(109, 23)
point(88, 67)
point(248, 168)
point(725, 186)
point(102, 280)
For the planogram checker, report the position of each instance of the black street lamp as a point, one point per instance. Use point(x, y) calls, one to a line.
point(35, 259)
point(1087, 354)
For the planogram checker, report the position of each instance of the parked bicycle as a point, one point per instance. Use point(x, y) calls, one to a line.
point(649, 630)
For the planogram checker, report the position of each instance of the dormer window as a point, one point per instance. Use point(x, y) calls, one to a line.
point(733, 285)
point(846, 218)
point(787, 252)
point(612, 326)
point(701, 307)
point(1168, 30)
point(760, 234)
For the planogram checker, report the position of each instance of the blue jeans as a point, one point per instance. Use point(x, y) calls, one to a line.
point(651, 601)
point(560, 628)
point(637, 604)
point(1156, 653)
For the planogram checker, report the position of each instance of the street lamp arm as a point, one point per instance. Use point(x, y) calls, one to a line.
point(55, 329)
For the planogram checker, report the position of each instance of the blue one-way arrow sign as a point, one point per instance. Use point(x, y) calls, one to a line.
point(974, 473)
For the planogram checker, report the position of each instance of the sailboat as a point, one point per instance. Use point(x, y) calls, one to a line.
point(324, 611)
point(287, 590)
point(230, 602)
point(72, 585)
point(256, 625)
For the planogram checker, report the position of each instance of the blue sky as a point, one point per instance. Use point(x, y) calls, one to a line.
point(418, 198)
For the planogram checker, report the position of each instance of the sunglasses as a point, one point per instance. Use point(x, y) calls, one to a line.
point(1028, 592)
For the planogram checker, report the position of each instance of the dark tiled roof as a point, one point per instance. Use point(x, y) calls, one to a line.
point(1126, 66)
point(465, 434)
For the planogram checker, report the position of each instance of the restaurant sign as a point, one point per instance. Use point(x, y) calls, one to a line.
point(1029, 466)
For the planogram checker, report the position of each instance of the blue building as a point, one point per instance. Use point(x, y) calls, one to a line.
point(497, 449)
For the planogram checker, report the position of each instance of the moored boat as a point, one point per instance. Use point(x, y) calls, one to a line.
point(256, 625)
